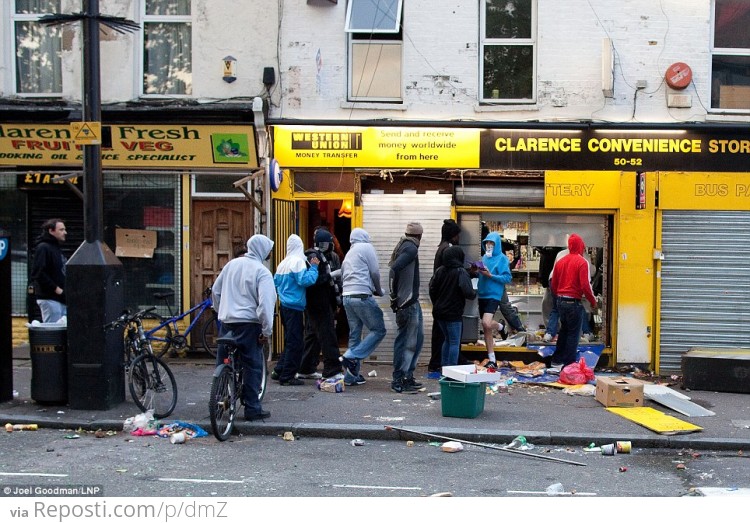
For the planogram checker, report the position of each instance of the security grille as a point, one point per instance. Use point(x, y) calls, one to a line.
point(705, 283)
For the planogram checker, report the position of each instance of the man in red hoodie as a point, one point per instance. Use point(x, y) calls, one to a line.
point(569, 283)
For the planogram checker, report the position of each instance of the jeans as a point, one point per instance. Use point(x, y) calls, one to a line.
point(320, 336)
point(363, 312)
point(436, 348)
point(553, 324)
point(289, 361)
point(452, 345)
point(408, 342)
point(570, 331)
point(52, 310)
point(251, 358)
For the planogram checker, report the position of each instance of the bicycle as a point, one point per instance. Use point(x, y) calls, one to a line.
point(166, 335)
point(226, 388)
point(150, 380)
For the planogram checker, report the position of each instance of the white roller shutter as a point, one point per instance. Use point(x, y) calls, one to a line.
point(705, 283)
point(384, 217)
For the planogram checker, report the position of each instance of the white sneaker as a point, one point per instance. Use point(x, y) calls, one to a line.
point(555, 368)
point(311, 376)
point(547, 338)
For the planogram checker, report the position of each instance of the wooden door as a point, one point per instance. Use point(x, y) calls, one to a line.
point(218, 227)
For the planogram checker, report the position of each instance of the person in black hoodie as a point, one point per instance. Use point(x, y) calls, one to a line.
point(322, 301)
point(449, 234)
point(450, 287)
point(48, 271)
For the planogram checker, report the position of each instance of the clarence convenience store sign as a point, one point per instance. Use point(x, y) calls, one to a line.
point(142, 146)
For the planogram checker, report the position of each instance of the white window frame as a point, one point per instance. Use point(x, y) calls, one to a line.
point(139, 80)
point(374, 45)
point(234, 195)
point(531, 41)
point(722, 51)
point(9, 13)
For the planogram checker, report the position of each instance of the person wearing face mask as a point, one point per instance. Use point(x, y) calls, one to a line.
point(322, 302)
point(490, 289)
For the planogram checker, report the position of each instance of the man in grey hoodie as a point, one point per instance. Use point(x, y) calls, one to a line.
point(360, 281)
point(245, 297)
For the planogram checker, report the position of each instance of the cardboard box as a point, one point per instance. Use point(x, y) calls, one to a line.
point(135, 243)
point(469, 374)
point(619, 392)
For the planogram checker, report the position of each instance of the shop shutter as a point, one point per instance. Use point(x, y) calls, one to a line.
point(385, 217)
point(705, 283)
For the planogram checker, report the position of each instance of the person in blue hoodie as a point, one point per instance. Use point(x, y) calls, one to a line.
point(492, 280)
point(293, 276)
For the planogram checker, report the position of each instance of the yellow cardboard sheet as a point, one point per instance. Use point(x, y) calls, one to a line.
point(655, 420)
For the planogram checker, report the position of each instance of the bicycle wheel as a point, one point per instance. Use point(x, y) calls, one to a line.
point(222, 403)
point(161, 338)
point(152, 385)
point(210, 333)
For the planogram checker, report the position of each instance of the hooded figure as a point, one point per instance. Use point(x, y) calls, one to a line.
point(292, 277)
point(244, 291)
point(492, 285)
point(359, 270)
point(569, 282)
point(450, 287)
point(245, 297)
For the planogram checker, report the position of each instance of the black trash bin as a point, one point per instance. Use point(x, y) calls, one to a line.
point(49, 363)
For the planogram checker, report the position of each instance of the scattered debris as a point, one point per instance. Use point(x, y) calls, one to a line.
point(373, 374)
point(288, 436)
point(357, 442)
point(608, 450)
point(442, 495)
point(655, 420)
point(680, 466)
point(623, 469)
point(555, 489)
point(10, 427)
point(410, 443)
point(674, 400)
point(451, 446)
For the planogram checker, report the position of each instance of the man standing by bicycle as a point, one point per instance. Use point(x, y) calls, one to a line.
point(244, 297)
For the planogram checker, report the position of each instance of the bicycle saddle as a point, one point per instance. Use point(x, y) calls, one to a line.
point(162, 295)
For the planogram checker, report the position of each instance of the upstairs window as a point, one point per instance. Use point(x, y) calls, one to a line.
point(730, 60)
point(38, 48)
point(167, 48)
point(508, 41)
point(375, 50)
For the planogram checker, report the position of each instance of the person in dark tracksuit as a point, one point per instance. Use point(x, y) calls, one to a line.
point(450, 287)
point(449, 234)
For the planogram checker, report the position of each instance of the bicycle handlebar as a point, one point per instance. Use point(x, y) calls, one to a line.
point(126, 317)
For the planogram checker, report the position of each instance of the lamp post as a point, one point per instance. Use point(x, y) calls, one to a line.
point(94, 278)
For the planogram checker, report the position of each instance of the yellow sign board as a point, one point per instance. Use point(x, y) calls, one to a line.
point(582, 189)
point(695, 190)
point(134, 146)
point(86, 133)
point(378, 147)
point(655, 420)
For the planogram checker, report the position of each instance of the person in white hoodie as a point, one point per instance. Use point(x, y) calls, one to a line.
point(360, 281)
point(245, 297)
point(293, 276)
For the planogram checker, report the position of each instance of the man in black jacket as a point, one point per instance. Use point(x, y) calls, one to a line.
point(48, 271)
point(322, 302)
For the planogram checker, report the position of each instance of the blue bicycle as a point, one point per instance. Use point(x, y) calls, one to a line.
point(166, 336)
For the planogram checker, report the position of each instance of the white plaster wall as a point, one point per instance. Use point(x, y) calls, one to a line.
point(441, 61)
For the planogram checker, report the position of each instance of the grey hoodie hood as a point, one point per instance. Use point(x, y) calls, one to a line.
point(259, 247)
point(359, 235)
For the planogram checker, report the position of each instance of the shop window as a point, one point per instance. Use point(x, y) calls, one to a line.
point(730, 60)
point(217, 185)
point(146, 202)
point(508, 42)
point(38, 48)
point(375, 50)
point(167, 48)
point(13, 225)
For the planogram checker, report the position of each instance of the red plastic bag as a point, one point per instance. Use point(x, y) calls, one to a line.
point(576, 373)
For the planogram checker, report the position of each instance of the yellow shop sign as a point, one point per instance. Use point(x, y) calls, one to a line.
point(141, 146)
point(381, 147)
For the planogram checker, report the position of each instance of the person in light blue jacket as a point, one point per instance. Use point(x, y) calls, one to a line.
point(293, 276)
point(492, 280)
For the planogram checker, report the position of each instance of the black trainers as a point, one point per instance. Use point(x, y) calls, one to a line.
point(263, 414)
point(491, 365)
point(412, 383)
point(292, 382)
point(350, 365)
point(274, 375)
point(401, 387)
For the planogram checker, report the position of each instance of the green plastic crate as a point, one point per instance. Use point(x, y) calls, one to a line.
point(462, 400)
